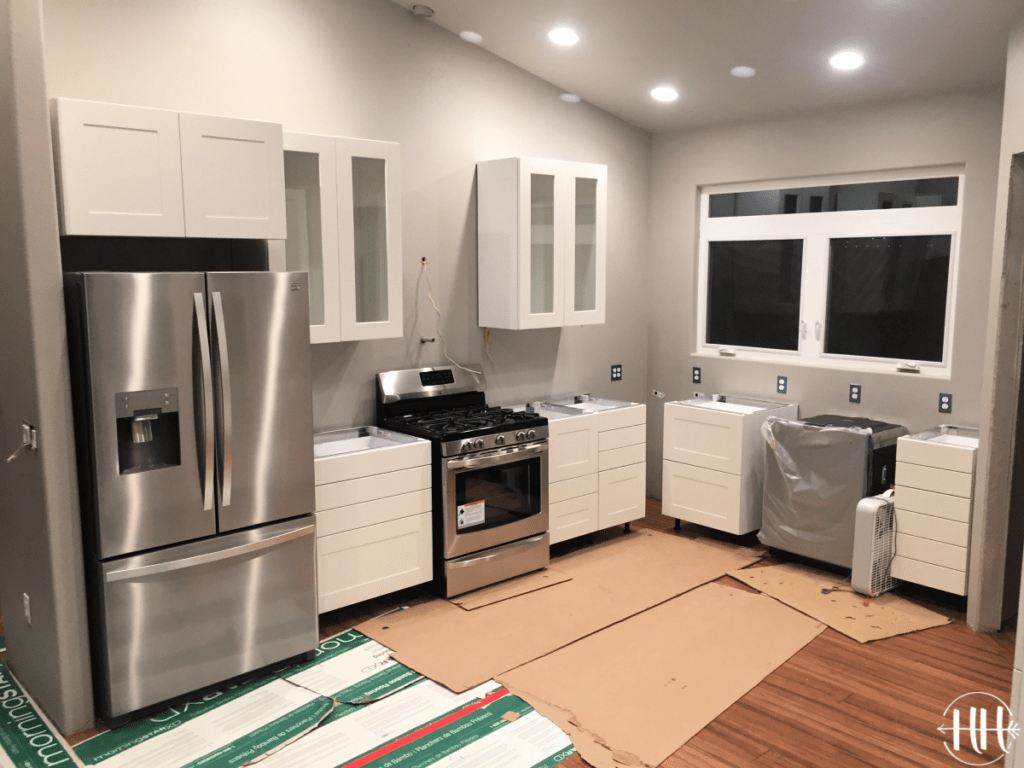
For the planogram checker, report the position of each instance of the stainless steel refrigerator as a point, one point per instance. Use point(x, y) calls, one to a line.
point(194, 433)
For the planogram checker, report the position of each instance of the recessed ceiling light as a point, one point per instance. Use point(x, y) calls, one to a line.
point(743, 72)
point(570, 98)
point(563, 36)
point(664, 93)
point(472, 37)
point(847, 60)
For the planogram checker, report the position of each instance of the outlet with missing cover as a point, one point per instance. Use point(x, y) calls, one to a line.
point(856, 390)
point(696, 375)
point(617, 372)
point(783, 385)
point(945, 402)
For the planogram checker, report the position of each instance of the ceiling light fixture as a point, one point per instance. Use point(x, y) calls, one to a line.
point(563, 36)
point(664, 93)
point(471, 37)
point(847, 60)
point(743, 71)
point(570, 98)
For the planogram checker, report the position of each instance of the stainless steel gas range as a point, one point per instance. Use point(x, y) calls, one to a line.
point(490, 472)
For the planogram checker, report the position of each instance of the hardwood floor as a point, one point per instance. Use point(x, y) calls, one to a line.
point(836, 703)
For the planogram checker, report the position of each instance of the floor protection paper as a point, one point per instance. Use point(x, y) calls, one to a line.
point(862, 618)
point(506, 590)
point(634, 693)
point(609, 582)
point(27, 739)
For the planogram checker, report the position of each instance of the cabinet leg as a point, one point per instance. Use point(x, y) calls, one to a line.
point(625, 528)
point(679, 524)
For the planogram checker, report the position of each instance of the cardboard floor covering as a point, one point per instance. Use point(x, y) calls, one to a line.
point(610, 582)
point(857, 616)
point(632, 694)
point(506, 590)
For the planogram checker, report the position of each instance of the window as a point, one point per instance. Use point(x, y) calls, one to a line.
point(853, 272)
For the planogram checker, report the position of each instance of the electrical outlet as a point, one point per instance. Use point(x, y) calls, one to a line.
point(617, 372)
point(783, 385)
point(945, 402)
point(28, 609)
point(855, 393)
point(696, 375)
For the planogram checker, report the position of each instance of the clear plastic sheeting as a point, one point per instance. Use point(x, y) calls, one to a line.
point(814, 479)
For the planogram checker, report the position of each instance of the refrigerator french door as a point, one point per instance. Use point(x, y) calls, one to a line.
point(194, 428)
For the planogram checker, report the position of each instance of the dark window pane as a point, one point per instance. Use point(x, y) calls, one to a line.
point(754, 293)
point(875, 195)
point(887, 297)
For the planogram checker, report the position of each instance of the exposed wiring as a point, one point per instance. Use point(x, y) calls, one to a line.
point(444, 343)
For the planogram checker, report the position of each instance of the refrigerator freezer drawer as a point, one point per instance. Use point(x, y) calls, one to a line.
point(187, 617)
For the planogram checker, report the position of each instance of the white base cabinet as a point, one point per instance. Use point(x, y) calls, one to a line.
point(714, 454)
point(934, 496)
point(374, 522)
point(597, 469)
point(135, 171)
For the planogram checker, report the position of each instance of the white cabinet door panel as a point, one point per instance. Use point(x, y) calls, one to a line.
point(233, 177)
point(585, 243)
point(935, 504)
point(572, 518)
point(704, 438)
point(930, 575)
point(936, 480)
point(622, 495)
point(119, 170)
point(704, 496)
point(621, 457)
point(373, 487)
point(341, 519)
point(572, 447)
point(571, 489)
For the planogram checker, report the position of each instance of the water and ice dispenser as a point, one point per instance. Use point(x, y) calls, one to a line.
point(148, 437)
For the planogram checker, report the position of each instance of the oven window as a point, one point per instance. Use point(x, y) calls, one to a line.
point(496, 496)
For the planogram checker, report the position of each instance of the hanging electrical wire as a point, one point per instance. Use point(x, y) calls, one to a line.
point(444, 342)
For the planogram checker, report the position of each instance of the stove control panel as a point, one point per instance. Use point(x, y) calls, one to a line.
point(493, 442)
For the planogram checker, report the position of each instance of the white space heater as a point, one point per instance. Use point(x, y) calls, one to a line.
point(874, 543)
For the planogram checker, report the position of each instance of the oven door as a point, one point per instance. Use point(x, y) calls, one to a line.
point(494, 497)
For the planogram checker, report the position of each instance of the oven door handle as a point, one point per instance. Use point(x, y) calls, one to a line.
point(501, 458)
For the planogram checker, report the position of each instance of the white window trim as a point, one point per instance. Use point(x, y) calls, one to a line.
point(816, 229)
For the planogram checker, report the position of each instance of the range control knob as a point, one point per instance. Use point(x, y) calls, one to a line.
point(520, 435)
point(467, 446)
point(479, 444)
point(531, 434)
point(499, 440)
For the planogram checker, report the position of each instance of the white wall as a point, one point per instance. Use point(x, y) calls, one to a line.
point(368, 68)
point(936, 131)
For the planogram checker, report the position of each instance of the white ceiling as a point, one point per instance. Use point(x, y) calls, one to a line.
point(913, 48)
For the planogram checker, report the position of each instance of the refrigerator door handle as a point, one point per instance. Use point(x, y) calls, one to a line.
point(205, 440)
point(223, 369)
point(210, 557)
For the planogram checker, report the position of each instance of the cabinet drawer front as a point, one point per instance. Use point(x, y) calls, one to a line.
point(929, 575)
point(957, 458)
point(572, 447)
point(336, 469)
point(934, 528)
point(331, 521)
point(622, 457)
point(373, 487)
point(572, 489)
point(572, 518)
point(620, 438)
point(935, 504)
point(620, 418)
point(373, 561)
point(937, 480)
point(120, 170)
point(704, 496)
point(622, 495)
point(701, 437)
point(934, 552)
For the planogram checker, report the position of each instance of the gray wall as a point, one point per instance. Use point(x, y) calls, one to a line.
point(937, 131)
point(368, 68)
point(40, 537)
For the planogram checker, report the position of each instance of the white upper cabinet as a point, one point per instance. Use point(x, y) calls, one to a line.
point(541, 231)
point(370, 236)
point(345, 230)
point(311, 200)
point(134, 171)
point(233, 177)
point(119, 170)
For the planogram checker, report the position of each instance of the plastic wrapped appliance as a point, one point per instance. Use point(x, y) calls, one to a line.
point(816, 473)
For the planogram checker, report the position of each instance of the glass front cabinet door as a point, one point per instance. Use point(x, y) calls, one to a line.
point(541, 243)
point(344, 229)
